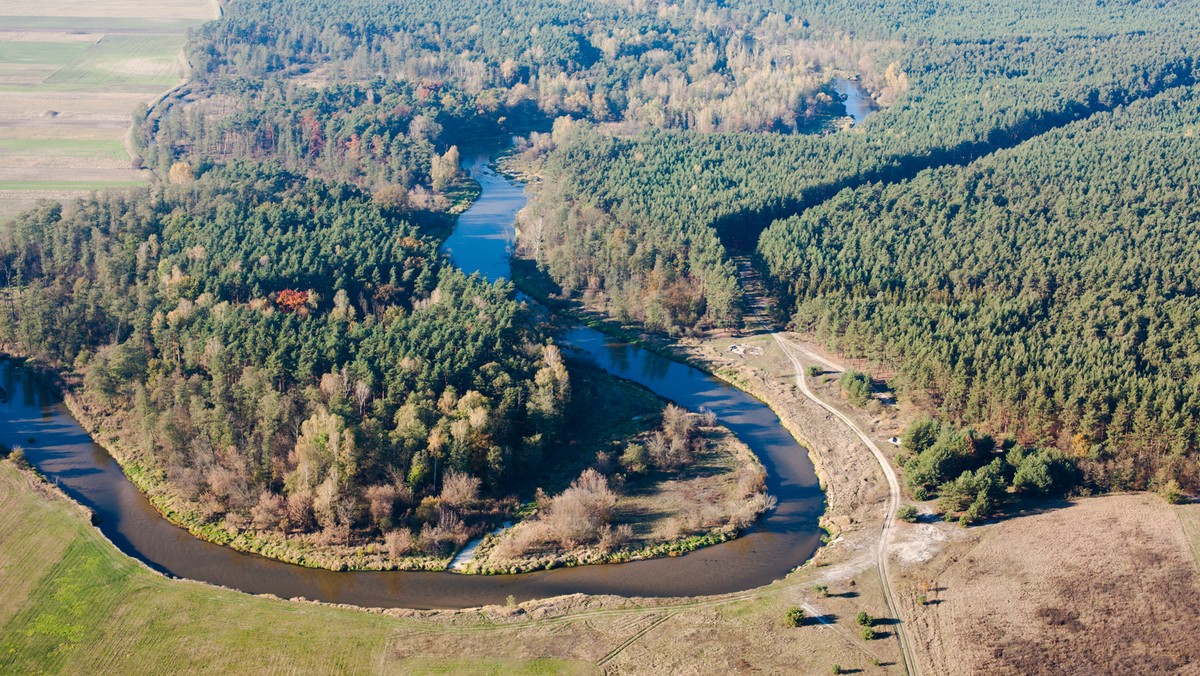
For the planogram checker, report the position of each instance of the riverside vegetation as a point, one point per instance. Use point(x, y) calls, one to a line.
point(344, 320)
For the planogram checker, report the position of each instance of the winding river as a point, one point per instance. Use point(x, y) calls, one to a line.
point(786, 537)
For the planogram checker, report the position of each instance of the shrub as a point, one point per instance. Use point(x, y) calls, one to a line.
point(17, 457)
point(920, 435)
point(1045, 471)
point(836, 669)
point(922, 599)
point(821, 589)
point(400, 542)
point(580, 513)
point(795, 616)
point(857, 386)
point(1169, 492)
point(813, 371)
point(907, 513)
point(868, 634)
point(635, 458)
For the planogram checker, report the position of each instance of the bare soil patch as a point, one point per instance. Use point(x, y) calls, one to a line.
point(1105, 585)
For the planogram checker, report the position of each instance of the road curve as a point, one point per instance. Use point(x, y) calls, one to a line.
point(889, 521)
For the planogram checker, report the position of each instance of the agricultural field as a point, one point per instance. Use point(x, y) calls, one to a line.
point(75, 604)
point(70, 76)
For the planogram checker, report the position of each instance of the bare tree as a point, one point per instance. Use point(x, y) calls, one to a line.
point(459, 489)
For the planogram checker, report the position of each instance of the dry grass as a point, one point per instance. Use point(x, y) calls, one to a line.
point(1104, 585)
point(717, 494)
point(162, 10)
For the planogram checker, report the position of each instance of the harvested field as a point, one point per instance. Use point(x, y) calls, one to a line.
point(1102, 585)
point(70, 76)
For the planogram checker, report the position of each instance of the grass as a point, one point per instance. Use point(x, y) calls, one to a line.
point(498, 667)
point(130, 54)
point(38, 53)
point(73, 603)
point(123, 61)
point(97, 24)
point(100, 148)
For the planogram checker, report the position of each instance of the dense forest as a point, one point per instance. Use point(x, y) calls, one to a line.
point(1034, 286)
point(705, 66)
point(620, 213)
point(287, 352)
point(1045, 292)
point(392, 137)
point(1010, 235)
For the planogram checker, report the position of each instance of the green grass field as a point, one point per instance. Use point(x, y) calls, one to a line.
point(126, 62)
point(24, 54)
point(70, 86)
point(105, 148)
point(73, 603)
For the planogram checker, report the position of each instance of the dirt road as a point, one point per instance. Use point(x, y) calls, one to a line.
point(790, 349)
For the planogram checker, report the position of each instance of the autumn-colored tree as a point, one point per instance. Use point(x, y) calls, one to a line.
point(181, 172)
point(290, 300)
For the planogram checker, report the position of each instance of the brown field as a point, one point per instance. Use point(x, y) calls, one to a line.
point(1095, 586)
point(1103, 585)
point(70, 75)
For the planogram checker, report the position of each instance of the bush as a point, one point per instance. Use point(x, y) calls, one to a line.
point(794, 617)
point(907, 513)
point(17, 457)
point(863, 619)
point(580, 513)
point(821, 589)
point(836, 669)
point(1169, 492)
point(868, 634)
point(1045, 471)
point(459, 489)
point(857, 386)
point(813, 371)
point(635, 458)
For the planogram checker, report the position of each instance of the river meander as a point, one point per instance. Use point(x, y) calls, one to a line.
point(784, 538)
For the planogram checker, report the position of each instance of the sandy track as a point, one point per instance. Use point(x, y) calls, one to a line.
point(889, 520)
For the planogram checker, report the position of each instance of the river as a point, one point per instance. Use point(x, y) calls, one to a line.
point(784, 538)
point(855, 99)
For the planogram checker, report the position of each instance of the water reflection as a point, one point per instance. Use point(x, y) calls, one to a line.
point(481, 242)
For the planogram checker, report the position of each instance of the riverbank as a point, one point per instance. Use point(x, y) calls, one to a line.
point(843, 466)
point(668, 513)
point(75, 604)
point(711, 500)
